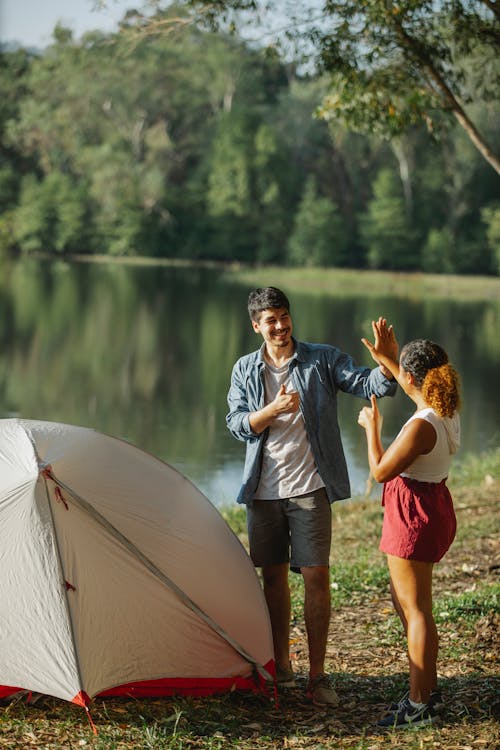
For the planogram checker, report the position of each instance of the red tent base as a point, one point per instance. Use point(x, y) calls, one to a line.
point(190, 686)
point(197, 686)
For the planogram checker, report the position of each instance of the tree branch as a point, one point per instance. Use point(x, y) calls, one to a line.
point(493, 6)
point(449, 97)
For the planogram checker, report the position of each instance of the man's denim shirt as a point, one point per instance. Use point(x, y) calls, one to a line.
point(317, 372)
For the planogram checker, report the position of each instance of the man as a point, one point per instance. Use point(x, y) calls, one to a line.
point(282, 403)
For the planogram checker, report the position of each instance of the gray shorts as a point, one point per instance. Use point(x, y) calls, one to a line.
point(295, 529)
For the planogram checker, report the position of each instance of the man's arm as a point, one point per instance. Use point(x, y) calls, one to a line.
point(237, 418)
point(245, 424)
point(284, 403)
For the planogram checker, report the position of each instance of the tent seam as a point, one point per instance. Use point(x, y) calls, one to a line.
point(62, 579)
point(149, 564)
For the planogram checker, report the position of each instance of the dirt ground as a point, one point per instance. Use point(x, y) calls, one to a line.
point(369, 669)
point(366, 658)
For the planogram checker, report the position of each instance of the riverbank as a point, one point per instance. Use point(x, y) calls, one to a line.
point(342, 282)
point(366, 656)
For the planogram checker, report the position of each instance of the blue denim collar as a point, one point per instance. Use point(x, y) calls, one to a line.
point(297, 355)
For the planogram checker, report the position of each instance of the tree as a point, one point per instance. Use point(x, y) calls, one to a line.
point(396, 63)
point(51, 215)
point(385, 229)
point(206, 153)
point(14, 70)
point(437, 252)
point(491, 217)
point(318, 237)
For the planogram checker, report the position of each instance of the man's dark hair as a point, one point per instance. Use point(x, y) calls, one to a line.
point(265, 298)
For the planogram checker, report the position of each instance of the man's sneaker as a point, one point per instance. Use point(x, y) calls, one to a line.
point(408, 716)
point(435, 701)
point(285, 677)
point(321, 692)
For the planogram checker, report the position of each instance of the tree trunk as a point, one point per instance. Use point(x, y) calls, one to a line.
point(449, 98)
point(404, 173)
point(464, 120)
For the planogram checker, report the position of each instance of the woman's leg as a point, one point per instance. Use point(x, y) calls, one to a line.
point(411, 583)
point(399, 609)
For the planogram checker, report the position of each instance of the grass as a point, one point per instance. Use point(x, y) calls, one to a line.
point(343, 282)
point(476, 469)
point(365, 655)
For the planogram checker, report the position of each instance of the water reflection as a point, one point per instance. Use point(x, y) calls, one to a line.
point(146, 354)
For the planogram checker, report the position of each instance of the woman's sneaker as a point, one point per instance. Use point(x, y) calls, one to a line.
point(407, 715)
point(435, 701)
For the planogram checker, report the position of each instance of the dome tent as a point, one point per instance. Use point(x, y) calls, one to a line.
point(117, 575)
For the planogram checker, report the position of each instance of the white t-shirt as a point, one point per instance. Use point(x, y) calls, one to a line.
point(288, 467)
point(434, 466)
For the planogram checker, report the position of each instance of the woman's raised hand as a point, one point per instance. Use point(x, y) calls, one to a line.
point(385, 348)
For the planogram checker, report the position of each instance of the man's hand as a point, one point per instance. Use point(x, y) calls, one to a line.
point(385, 348)
point(286, 403)
point(283, 403)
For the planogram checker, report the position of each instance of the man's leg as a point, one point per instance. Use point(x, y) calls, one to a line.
point(316, 615)
point(277, 593)
point(311, 529)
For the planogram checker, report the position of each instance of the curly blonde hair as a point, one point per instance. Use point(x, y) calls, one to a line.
point(440, 390)
point(433, 374)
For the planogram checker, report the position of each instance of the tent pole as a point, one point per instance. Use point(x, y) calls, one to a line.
point(130, 546)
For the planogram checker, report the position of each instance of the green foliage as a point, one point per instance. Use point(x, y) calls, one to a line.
point(386, 229)
point(6, 232)
point(51, 215)
point(8, 185)
point(169, 140)
point(319, 235)
point(229, 179)
point(394, 65)
point(437, 253)
point(491, 218)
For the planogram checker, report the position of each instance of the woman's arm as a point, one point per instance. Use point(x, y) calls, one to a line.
point(418, 437)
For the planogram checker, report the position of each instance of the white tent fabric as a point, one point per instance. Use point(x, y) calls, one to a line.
point(116, 569)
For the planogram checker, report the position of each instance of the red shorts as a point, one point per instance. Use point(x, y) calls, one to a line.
point(419, 519)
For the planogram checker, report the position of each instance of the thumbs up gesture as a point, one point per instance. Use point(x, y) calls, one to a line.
point(286, 403)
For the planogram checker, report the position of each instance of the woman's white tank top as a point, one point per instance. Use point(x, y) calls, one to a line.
point(434, 466)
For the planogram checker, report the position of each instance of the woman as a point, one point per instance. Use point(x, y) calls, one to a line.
point(419, 520)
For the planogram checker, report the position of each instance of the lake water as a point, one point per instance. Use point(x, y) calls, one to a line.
point(145, 354)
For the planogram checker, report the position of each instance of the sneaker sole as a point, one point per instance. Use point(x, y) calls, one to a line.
point(323, 704)
point(410, 724)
